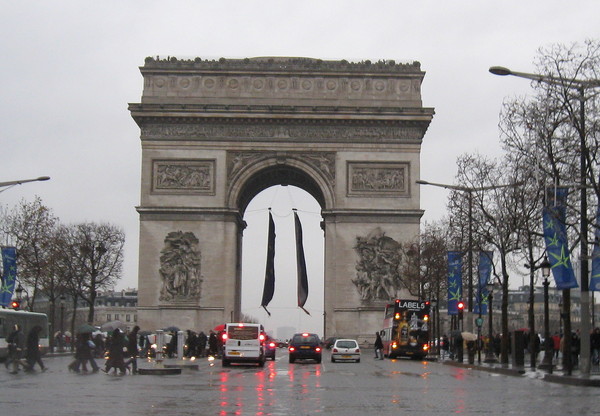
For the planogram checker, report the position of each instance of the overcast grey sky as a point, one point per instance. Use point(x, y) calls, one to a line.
point(68, 69)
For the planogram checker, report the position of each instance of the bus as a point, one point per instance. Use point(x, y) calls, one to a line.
point(26, 320)
point(406, 329)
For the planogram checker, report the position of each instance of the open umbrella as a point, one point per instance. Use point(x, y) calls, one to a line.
point(86, 329)
point(171, 329)
point(112, 325)
point(144, 333)
point(219, 328)
point(469, 336)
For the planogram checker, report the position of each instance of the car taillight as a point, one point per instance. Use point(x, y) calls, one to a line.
point(261, 337)
point(272, 344)
point(335, 350)
point(425, 347)
point(224, 336)
point(292, 349)
point(394, 345)
point(357, 350)
point(318, 349)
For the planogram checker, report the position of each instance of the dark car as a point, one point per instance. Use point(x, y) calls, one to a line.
point(305, 346)
point(270, 347)
point(328, 343)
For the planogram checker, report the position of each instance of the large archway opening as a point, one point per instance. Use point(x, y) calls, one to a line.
point(286, 317)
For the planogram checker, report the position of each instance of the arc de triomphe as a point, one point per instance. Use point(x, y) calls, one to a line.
point(216, 133)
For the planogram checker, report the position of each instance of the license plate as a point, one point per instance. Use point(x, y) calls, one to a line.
point(346, 356)
point(304, 347)
point(234, 353)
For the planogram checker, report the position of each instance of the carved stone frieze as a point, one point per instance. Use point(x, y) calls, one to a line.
point(323, 162)
point(183, 176)
point(378, 267)
point(275, 132)
point(180, 267)
point(377, 178)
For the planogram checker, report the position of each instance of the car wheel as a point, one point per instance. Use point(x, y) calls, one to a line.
point(292, 359)
point(226, 363)
point(358, 361)
point(261, 363)
point(332, 360)
point(319, 360)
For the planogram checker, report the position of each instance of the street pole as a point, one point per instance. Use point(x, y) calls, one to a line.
point(584, 363)
point(490, 357)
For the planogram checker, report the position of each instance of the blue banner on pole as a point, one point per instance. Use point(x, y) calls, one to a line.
point(454, 281)
point(9, 263)
point(595, 278)
point(555, 235)
point(485, 271)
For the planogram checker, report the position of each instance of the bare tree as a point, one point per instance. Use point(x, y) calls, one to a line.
point(30, 227)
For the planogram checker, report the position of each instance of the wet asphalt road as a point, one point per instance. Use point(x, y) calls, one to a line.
point(371, 387)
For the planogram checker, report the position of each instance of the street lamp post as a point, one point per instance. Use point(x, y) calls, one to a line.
point(62, 322)
point(548, 344)
point(580, 86)
point(490, 357)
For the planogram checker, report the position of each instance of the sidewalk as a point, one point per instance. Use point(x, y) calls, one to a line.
point(557, 376)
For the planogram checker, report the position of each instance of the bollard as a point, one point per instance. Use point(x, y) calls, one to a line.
point(180, 342)
point(518, 349)
point(160, 339)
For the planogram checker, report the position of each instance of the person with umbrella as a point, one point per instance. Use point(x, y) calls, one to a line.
point(115, 353)
point(16, 345)
point(84, 350)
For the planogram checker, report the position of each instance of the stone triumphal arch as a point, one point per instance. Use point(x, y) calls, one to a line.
point(216, 133)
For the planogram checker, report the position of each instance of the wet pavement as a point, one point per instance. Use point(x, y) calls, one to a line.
point(378, 387)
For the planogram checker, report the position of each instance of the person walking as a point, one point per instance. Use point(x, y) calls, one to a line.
point(132, 349)
point(33, 355)
point(595, 346)
point(378, 346)
point(115, 353)
point(212, 344)
point(445, 346)
point(84, 353)
point(202, 339)
point(16, 346)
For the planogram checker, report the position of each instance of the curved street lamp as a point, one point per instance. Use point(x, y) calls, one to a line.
point(580, 86)
point(10, 184)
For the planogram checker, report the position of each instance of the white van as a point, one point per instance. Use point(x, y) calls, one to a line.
point(243, 343)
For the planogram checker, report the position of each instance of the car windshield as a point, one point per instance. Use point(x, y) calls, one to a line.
point(308, 339)
point(346, 344)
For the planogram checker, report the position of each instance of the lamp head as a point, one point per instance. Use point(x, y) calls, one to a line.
point(500, 70)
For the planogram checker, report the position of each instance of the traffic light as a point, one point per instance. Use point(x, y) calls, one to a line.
point(461, 308)
point(15, 304)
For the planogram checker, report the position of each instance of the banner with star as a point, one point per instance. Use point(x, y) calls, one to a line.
point(555, 236)
point(454, 281)
point(595, 278)
point(9, 275)
point(485, 271)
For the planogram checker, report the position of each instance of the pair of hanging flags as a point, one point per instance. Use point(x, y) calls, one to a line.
point(455, 281)
point(269, 288)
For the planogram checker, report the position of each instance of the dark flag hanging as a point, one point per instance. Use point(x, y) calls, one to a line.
point(301, 265)
point(555, 235)
point(269, 288)
point(454, 281)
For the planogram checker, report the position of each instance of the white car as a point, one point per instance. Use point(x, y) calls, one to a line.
point(345, 349)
